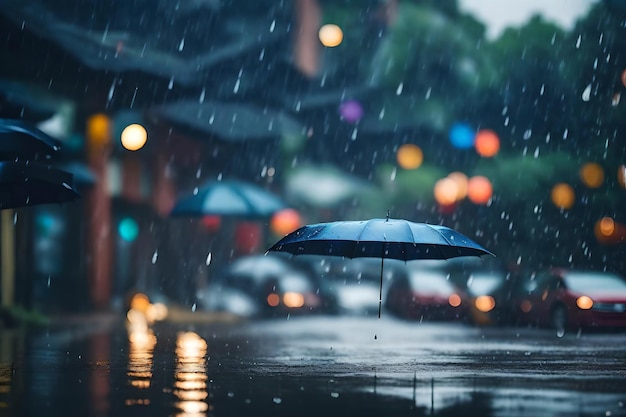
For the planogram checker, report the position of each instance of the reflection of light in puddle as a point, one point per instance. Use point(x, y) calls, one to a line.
point(190, 385)
point(140, 361)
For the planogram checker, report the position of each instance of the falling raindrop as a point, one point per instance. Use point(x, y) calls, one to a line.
point(543, 88)
point(536, 154)
point(565, 133)
point(155, 255)
point(427, 95)
point(273, 25)
point(527, 134)
point(354, 133)
point(193, 307)
point(171, 83)
point(587, 93)
point(381, 114)
point(15, 218)
point(393, 174)
point(111, 90)
point(195, 191)
point(48, 281)
point(202, 95)
point(578, 42)
point(208, 259)
point(262, 54)
point(236, 88)
point(181, 45)
point(198, 172)
point(277, 400)
point(399, 89)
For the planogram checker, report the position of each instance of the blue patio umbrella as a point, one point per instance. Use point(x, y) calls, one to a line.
point(229, 198)
point(379, 238)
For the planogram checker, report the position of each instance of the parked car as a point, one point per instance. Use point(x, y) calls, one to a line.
point(265, 286)
point(489, 286)
point(426, 292)
point(355, 283)
point(567, 298)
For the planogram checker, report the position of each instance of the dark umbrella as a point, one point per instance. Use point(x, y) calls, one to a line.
point(19, 139)
point(384, 238)
point(229, 198)
point(25, 184)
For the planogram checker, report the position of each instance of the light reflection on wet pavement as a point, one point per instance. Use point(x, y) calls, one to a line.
point(313, 366)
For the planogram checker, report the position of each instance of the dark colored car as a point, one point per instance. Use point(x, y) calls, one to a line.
point(566, 298)
point(425, 293)
point(265, 286)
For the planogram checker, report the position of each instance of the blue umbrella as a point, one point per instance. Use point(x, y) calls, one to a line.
point(25, 184)
point(19, 139)
point(384, 238)
point(229, 198)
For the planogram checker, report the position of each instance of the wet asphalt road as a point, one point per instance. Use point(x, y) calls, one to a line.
point(314, 366)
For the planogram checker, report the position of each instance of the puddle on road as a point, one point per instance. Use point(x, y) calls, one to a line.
point(184, 373)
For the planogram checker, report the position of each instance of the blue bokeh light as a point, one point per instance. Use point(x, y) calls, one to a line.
point(462, 135)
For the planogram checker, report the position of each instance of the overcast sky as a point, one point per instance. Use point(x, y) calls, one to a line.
point(499, 14)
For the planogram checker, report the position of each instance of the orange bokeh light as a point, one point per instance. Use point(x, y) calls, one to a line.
point(409, 156)
point(592, 175)
point(445, 191)
point(99, 129)
point(479, 189)
point(487, 143)
point(273, 300)
point(621, 175)
point(285, 221)
point(607, 226)
point(462, 183)
point(454, 300)
point(563, 196)
point(330, 35)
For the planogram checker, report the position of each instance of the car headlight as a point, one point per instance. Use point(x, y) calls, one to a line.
point(485, 303)
point(584, 303)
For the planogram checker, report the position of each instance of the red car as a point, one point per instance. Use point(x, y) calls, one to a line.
point(566, 298)
point(426, 293)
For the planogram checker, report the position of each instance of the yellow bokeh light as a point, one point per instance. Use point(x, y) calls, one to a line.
point(592, 175)
point(446, 191)
point(461, 181)
point(331, 35)
point(293, 299)
point(563, 196)
point(134, 137)
point(409, 156)
point(140, 302)
point(479, 189)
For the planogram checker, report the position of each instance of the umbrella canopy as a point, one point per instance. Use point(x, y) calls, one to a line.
point(19, 139)
point(379, 238)
point(25, 184)
point(229, 198)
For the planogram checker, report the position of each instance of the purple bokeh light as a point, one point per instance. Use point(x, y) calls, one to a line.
point(351, 111)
